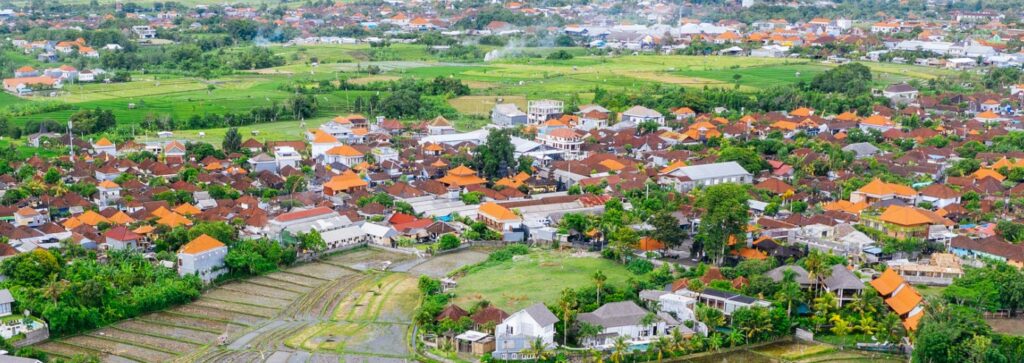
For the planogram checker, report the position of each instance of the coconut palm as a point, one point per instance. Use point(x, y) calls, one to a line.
point(599, 280)
point(586, 330)
point(539, 350)
point(619, 349)
point(678, 340)
point(789, 292)
point(567, 302)
point(817, 268)
point(649, 320)
point(596, 356)
point(55, 288)
point(734, 338)
point(662, 345)
point(715, 342)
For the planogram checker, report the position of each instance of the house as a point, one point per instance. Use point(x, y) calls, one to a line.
point(286, 156)
point(862, 149)
point(507, 114)
point(516, 333)
point(876, 190)
point(904, 222)
point(144, 31)
point(691, 176)
point(900, 93)
point(988, 248)
point(104, 146)
point(263, 162)
point(566, 140)
point(440, 126)
point(203, 256)
point(939, 270)
point(877, 122)
point(174, 152)
point(28, 217)
point(109, 193)
point(938, 195)
point(120, 238)
point(301, 221)
point(343, 154)
point(6, 300)
point(624, 319)
point(724, 301)
point(843, 283)
point(542, 110)
point(321, 141)
point(639, 114)
point(25, 71)
point(900, 297)
point(26, 85)
point(497, 217)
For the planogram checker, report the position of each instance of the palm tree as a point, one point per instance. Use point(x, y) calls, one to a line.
point(662, 345)
point(567, 302)
point(55, 288)
point(59, 189)
point(586, 330)
point(734, 338)
point(715, 342)
point(817, 268)
point(789, 291)
point(539, 350)
point(678, 340)
point(599, 280)
point(619, 349)
point(596, 356)
point(648, 320)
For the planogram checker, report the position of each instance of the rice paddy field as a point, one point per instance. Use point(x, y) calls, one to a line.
point(327, 310)
point(155, 96)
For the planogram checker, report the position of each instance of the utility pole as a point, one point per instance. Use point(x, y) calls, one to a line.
point(71, 141)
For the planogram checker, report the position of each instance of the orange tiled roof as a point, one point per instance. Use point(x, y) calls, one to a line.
point(985, 173)
point(887, 282)
point(344, 150)
point(497, 212)
point(200, 244)
point(187, 209)
point(904, 300)
point(321, 137)
point(878, 187)
point(104, 142)
point(462, 176)
point(910, 216)
point(650, 244)
point(672, 167)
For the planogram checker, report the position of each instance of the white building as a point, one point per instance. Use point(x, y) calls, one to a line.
point(203, 256)
point(639, 114)
point(625, 319)
point(515, 334)
point(286, 156)
point(542, 110)
point(692, 176)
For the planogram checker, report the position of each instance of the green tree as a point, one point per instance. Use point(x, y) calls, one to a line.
point(312, 241)
point(567, 301)
point(232, 141)
point(448, 241)
point(725, 216)
point(599, 280)
point(496, 156)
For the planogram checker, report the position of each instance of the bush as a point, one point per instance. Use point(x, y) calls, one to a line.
point(560, 55)
point(447, 242)
point(640, 266)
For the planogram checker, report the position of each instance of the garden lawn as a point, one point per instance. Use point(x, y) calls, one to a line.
point(537, 277)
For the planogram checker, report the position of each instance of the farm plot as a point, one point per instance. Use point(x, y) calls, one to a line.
point(192, 323)
point(279, 284)
point(144, 340)
point(258, 290)
point(440, 266)
point(197, 311)
point(248, 299)
point(399, 302)
point(129, 351)
point(296, 279)
point(252, 310)
point(173, 332)
point(321, 271)
point(379, 339)
point(56, 348)
point(482, 105)
point(365, 259)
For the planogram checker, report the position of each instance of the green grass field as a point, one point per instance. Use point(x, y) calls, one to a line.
point(150, 96)
point(540, 277)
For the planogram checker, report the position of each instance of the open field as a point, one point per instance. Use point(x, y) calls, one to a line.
point(796, 352)
point(1007, 326)
point(158, 96)
point(231, 311)
point(537, 277)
